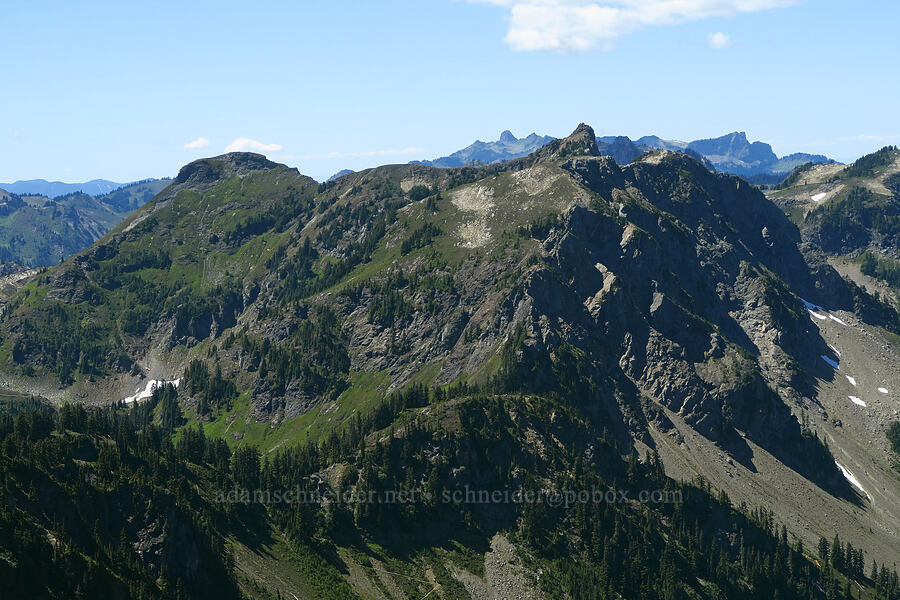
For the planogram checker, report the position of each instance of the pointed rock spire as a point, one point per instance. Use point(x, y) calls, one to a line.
point(581, 142)
point(507, 137)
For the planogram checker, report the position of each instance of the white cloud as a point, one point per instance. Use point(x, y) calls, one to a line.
point(718, 40)
point(200, 142)
point(248, 145)
point(582, 25)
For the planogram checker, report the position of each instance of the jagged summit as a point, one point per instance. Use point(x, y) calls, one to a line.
point(581, 142)
point(731, 153)
point(736, 148)
point(583, 137)
point(507, 137)
point(209, 170)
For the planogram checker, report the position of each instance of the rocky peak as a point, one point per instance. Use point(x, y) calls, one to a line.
point(621, 148)
point(581, 142)
point(507, 137)
point(735, 146)
point(210, 170)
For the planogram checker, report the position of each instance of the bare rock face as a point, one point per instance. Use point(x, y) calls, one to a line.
point(677, 286)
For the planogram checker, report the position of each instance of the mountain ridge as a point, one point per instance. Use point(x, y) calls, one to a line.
point(508, 147)
point(53, 189)
point(731, 153)
point(415, 324)
point(851, 213)
point(38, 231)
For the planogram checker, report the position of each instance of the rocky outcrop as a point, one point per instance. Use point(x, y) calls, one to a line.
point(212, 170)
point(582, 142)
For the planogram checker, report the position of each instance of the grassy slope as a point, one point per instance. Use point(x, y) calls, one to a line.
point(847, 214)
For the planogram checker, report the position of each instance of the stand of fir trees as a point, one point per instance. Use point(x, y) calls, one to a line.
point(101, 502)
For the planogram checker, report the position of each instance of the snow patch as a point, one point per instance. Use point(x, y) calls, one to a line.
point(831, 362)
point(853, 480)
point(810, 305)
point(148, 389)
point(819, 197)
point(857, 401)
point(883, 390)
point(812, 308)
point(836, 320)
point(836, 351)
point(820, 313)
point(851, 380)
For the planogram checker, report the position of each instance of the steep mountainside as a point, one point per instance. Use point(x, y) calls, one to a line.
point(100, 503)
point(39, 231)
point(845, 209)
point(537, 323)
point(853, 213)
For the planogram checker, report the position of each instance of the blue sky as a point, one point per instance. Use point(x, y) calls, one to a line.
point(113, 90)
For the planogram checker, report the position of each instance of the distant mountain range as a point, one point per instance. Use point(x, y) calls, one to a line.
point(36, 230)
point(340, 174)
point(621, 149)
point(732, 153)
point(506, 148)
point(54, 189)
